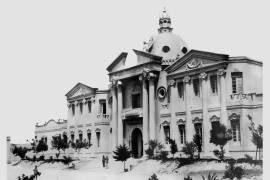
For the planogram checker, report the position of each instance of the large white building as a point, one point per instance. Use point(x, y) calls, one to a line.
point(172, 91)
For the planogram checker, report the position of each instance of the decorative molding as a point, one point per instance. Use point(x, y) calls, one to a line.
point(194, 63)
point(180, 113)
point(197, 120)
point(80, 125)
point(214, 118)
point(234, 117)
point(165, 115)
point(165, 123)
point(98, 130)
point(186, 79)
point(88, 131)
point(80, 132)
point(87, 125)
point(165, 106)
point(221, 72)
point(203, 76)
point(180, 122)
point(171, 82)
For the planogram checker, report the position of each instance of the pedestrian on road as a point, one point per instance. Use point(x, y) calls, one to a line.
point(107, 161)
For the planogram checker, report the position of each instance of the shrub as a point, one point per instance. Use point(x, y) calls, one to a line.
point(189, 149)
point(220, 136)
point(188, 178)
point(149, 152)
point(197, 139)
point(232, 171)
point(20, 151)
point(41, 146)
point(41, 158)
point(173, 147)
point(153, 177)
point(210, 177)
point(67, 160)
point(184, 161)
point(163, 155)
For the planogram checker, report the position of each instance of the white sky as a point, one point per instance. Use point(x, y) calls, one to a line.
point(49, 46)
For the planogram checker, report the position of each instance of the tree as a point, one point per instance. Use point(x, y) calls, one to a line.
point(41, 146)
point(79, 144)
point(59, 143)
point(220, 136)
point(257, 136)
point(197, 139)
point(153, 146)
point(173, 147)
point(189, 149)
point(20, 151)
point(122, 154)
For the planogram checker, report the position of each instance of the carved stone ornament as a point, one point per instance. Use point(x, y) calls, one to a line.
point(165, 123)
point(145, 73)
point(151, 76)
point(84, 101)
point(69, 105)
point(195, 63)
point(98, 130)
point(197, 120)
point(172, 82)
point(203, 75)
point(88, 131)
point(114, 82)
point(186, 79)
point(180, 122)
point(221, 72)
point(234, 117)
point(214, 118)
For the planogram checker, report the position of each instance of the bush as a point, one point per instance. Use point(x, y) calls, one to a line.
point(41, 158)
point(67, 160)
point(173, 147)
point(210, 177)
point(184, 161)
point(149, 152)
point(188, 178)
point(189, 149)
point(232, 171)
point(20, 151)
point(153, 177)
point(163, 156)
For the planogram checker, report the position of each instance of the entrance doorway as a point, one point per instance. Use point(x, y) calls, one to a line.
point(137, 143)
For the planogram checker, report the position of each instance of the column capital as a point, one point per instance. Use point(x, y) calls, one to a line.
point(186, 79)
point(171, 82)
point(203, 76)
point(114, 82)
point(119, 84)
point(221, 72)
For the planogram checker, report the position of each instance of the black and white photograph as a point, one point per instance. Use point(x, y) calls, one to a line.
point(137, 90)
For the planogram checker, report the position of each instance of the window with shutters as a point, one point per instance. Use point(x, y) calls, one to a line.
point(213, 82)
point(237, 82)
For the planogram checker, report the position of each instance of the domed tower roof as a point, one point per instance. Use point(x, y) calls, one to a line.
point(166, 44)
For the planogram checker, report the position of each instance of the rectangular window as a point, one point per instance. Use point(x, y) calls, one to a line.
point(182, 132)
point(237, 82)
point(89, 103)
point(72, 137)
point(98, 138)
point(198, 129)
point(213, 82)
point(180, 86)
point(81, 137)
point(73, 109)
point(136, 100)
point(196, 87)
point(102, 106)
point(81, 107)
point(236, 130)
point(89, 137)
point(167, 133)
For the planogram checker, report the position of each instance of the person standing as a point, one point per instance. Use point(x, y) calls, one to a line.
point(107, 161)
point(103, 160)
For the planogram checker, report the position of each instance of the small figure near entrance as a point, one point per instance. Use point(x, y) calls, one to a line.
point(107, 162)
point(103, 161)
point(36, 172)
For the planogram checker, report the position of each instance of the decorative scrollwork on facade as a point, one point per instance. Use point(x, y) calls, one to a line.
point(181, 122)
point(197, 120)
point(172, 82)
point(234, 117)
point(214, 118)
point(186, 79)
point(98, 130)
point(195, 63)
point(221, 72)
point(203, 76)
point(165, 123)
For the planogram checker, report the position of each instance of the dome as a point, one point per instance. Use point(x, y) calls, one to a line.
point(169, 46)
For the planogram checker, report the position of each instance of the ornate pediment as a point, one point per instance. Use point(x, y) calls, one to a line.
point(197, 120)
point(80, 90)
point(180, 122)
point(165, 123)
point(214, 118)
point(195, 60)
point(234, 117)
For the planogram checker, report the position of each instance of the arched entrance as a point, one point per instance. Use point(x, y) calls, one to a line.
point(137, 143)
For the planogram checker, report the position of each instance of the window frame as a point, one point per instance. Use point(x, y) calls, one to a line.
point(237, 82)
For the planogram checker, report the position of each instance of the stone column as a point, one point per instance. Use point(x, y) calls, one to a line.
point(222, 94)
point(120, 107)
point(223, 105)
point(152, 122)
point(189, 124)
point(114, 116)
point(145, 113)
point(206, 121)
point(173, 126)
point(8, 150)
